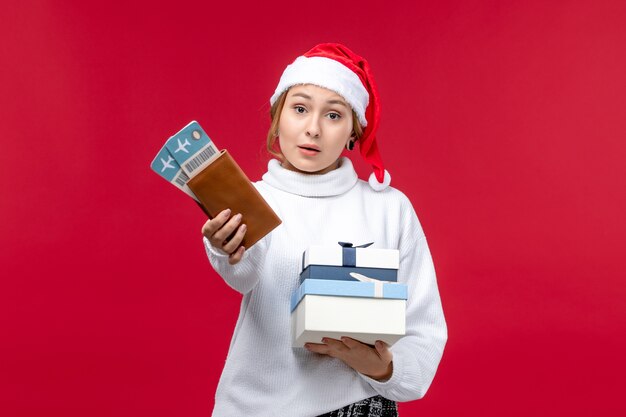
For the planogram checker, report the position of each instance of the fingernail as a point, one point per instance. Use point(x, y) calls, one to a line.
point(307, 346)
point(227, 212)
point(243, 227)
point(238, 217)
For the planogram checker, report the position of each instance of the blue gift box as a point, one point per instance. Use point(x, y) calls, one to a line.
point(342, 273)
point(348, 289)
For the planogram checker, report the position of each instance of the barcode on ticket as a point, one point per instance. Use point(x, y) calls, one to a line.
point(198, 160)
point(181, 179)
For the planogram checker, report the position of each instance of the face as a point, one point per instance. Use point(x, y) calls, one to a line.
point(315, 125)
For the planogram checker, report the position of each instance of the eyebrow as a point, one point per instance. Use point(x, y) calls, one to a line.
point(306, 96)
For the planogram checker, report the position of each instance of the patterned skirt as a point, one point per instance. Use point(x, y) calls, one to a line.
point(370, 407)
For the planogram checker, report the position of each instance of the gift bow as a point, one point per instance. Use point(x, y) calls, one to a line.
point(350, 245)
point(349, 252)
point(378, 284)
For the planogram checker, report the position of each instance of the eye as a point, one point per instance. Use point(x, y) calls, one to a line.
point(334, 116)
point(299, 109)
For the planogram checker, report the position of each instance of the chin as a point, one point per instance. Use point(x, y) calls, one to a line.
point(307, 168)
point(308, 165)
point(312, 169)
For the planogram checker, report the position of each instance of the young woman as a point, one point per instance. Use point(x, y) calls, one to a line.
point(326, 101)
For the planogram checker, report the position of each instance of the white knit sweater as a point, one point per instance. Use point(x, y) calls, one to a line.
point(264, 375)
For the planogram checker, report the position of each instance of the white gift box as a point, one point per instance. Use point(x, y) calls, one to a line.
point(351, 256)
point(363, 311)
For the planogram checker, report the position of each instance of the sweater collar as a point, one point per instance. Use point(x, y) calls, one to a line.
point(335, 182)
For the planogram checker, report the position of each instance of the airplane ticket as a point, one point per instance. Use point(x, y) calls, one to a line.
point(167, 167)
point(192, 149)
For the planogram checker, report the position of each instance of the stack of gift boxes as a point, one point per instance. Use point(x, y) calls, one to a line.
point(348, 291)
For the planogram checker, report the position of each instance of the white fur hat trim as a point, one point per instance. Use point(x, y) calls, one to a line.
point(327, 73)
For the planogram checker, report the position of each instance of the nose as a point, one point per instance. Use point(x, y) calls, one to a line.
point(313, 128)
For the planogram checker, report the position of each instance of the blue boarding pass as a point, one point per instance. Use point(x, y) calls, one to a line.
point(166, 166)
point(192, 149)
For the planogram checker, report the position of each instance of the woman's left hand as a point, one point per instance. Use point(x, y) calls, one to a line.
point(375, 363)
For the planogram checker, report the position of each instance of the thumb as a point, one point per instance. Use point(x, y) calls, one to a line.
point(383, 351)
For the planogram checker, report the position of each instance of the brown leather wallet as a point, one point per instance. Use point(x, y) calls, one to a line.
point(222, 185)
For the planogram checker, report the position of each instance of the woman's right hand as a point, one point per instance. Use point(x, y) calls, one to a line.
point(222, 226)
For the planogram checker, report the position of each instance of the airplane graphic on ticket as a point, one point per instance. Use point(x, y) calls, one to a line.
point(166, 164)
point(181, 146)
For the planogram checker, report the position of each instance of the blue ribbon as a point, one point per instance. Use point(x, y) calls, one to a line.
point(349, 252)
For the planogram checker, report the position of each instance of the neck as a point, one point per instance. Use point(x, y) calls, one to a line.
point(336, 181)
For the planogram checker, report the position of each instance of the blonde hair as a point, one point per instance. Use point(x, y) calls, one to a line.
point(275, 112)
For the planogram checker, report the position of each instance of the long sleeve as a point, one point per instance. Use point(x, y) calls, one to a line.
point(244, 275)
point(416, 356)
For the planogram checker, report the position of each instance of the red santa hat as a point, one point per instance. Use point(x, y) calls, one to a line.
point(337, 68)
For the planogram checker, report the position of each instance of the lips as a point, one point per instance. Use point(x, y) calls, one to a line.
point(309, 147)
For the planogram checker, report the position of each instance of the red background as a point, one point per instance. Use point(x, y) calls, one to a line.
point(504, 123)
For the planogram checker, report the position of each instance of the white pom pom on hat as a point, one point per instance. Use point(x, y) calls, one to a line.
point(337, 68)
point(379, 186)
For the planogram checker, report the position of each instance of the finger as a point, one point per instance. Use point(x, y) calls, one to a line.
point(236, 240)
point(351, 343)
point(226, 230)
point(336, 348)
point(334, 343)
point(236, 256)
point(383, 350)
point(212, 225)
point(317, 348)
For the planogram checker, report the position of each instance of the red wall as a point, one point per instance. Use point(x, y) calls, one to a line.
point(504, 122)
